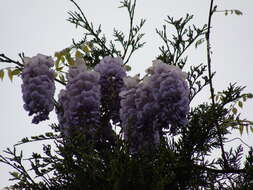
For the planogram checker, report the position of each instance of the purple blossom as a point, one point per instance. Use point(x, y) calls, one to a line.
point(171, 94)
point(160, 101)
point(136, 114)
point(79, 67)
point(112, 73)
point(80, 103)
point(38, 87)
point(128, 111)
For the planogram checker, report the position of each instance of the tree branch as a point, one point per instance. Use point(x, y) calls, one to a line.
point(211, 11)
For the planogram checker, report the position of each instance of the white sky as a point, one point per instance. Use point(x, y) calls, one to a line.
point(40, 27)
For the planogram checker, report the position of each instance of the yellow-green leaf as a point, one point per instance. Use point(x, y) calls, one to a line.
point(57, 62)
point(59, 68)
point(62, 78)
point(65, 51)
point(71, 61)
point(16, 72)
point(199, 42)
point(1, 74)
point(57, 54)
point(251, 128)
point(234, 110)
point(78, 54)
point(86, 49)
point(10, 74)
point(62, 59)
point(15, 174)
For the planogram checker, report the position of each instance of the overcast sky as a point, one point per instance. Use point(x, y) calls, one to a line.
point(40, 26)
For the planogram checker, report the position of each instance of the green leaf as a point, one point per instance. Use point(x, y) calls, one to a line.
point(127, 67)
point(240, 104)
point(49, 134)
point(199, 42)
point(1, 74)
point(241, 129)
point(234, 110)
point(25, 140)
point(249, 95)
point(15, 175)
point(237, 12)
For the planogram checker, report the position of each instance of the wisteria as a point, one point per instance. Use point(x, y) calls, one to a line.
point(38, 87)
point(171, 94)
point(79, 103)
point(160, 101)
point(112, 73)
point(128, 112)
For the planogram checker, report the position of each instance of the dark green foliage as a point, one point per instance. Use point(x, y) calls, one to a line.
point(197, 79)
point(76, 165)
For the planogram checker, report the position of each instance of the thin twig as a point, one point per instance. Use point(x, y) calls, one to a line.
point(131, 16)
point(211, 11)
point(5, 59)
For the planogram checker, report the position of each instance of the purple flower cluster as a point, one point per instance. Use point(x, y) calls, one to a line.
point(38, 87)
point(160, 101)
point(112, 73)
point(80, 103)
point(171, 94)
point(137, 114)
point(128, 108)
